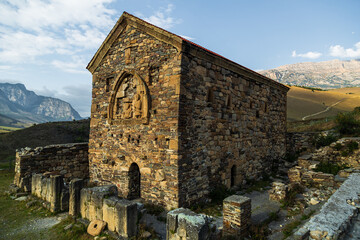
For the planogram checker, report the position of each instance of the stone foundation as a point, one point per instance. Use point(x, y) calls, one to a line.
point(299, 141)
point(69, 160)
point(237, 216)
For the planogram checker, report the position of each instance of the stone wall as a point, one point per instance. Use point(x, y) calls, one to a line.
point(312, 179)
point(151, 68)
point(68, 160)
point(299, 141)
point(339, 153)
point(335, 215)
point(232, 126)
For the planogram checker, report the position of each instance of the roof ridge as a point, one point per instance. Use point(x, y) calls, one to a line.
point(203, 48)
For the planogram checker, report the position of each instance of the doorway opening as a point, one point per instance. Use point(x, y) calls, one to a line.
point(134, 181)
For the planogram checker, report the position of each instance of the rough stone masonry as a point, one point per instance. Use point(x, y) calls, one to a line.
point(170, 119)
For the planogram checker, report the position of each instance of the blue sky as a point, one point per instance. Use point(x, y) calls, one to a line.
point(46, 44)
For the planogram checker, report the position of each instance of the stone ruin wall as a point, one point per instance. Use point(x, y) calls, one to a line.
point(69, 160)
point(226, 120)
point(113, 147)
point(299, 141)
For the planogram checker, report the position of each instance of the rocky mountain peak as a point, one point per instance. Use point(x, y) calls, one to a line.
point(329, 74)
point(19, 103)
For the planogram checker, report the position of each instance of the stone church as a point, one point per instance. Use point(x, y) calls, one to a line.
point(171, 120)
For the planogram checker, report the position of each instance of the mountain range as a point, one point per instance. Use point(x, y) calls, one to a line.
point(21, 107)
point(326, 75)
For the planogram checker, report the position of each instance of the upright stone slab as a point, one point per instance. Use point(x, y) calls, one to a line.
point(85, 196)
point(36, 185)
point(237, 216)
point(74, 201)
point(56, 186)
point(182, 223)
point(121, 216)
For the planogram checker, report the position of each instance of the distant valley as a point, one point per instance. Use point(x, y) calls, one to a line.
point(20, 107)
point(305, 104)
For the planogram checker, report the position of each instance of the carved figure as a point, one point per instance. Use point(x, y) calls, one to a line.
point(137, 106)
point(127, 111)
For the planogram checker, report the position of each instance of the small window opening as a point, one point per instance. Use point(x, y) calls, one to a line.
point(129, 137)
point(210, 95)
point(257, 114)
point(107, 85)
point(228, 101)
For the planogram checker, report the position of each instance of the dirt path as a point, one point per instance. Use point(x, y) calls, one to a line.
point(327, 109)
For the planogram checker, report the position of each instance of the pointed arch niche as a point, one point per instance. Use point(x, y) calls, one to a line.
point(129, 102)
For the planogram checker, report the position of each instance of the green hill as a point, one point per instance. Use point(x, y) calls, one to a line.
point(42, 135)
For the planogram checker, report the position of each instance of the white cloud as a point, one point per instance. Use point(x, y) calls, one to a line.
point(76, 65)
point(162, 18)
point(341, 52)
point(5, 67)
point(31, 29)
point(187, 37)
point(311, 55)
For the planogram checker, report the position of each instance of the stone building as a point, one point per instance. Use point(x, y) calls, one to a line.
point(170, 119)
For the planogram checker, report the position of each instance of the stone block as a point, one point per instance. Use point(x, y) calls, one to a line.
point(74, 196)
point(182, 223)
point(237, 216)
point(121, 216)
point(91, 201)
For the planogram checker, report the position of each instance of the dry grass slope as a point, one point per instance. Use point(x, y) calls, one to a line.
point(303, 102)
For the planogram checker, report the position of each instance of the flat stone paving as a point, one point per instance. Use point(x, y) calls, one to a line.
point(261, 206)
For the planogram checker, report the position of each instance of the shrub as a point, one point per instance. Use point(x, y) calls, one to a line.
point(328, 167)
point(338, 146)
point(322, 140)
point(346, 123)
point(352, 146)
point(219, 193)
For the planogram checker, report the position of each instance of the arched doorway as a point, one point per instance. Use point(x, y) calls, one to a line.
point(233, 175)
point(134, 181)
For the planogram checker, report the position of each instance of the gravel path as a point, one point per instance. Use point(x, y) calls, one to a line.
point(37, 227)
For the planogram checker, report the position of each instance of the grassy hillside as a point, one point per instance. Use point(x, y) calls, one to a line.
point(304, 102)
point(42, 135)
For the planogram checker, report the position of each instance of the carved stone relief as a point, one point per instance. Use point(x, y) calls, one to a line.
point(130, 99)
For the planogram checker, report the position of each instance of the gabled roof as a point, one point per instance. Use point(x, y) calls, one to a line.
point(175, 40)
